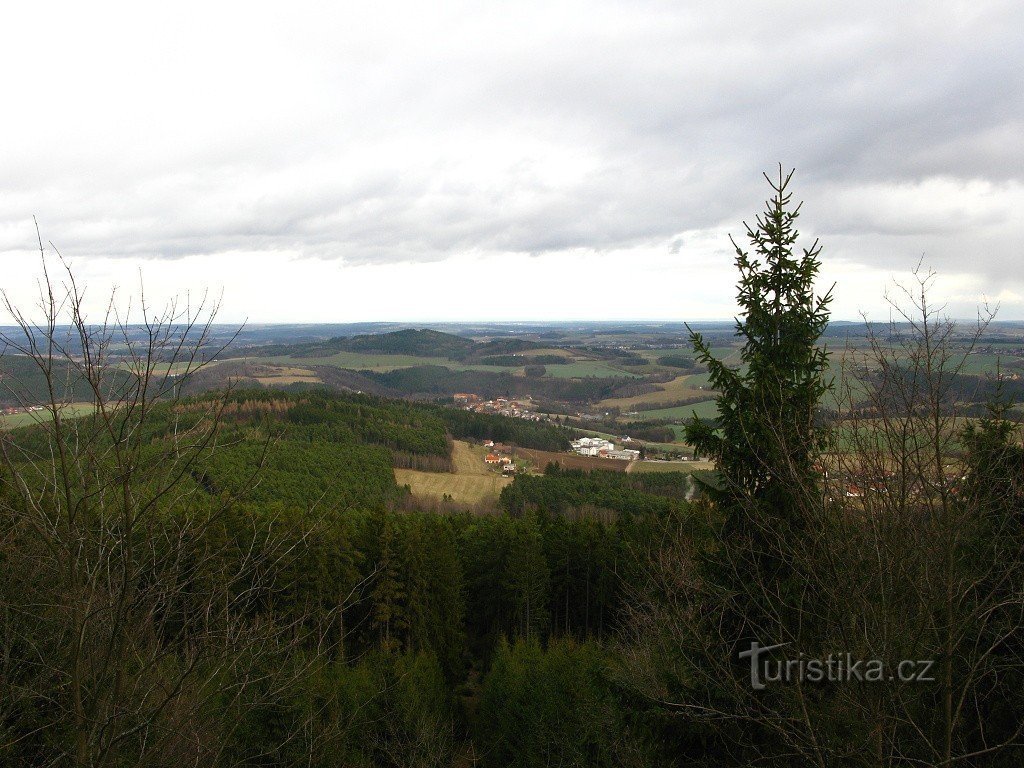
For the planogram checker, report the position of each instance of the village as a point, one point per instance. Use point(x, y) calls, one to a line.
point(11, 410)
point(500, 456)
point(517, 409)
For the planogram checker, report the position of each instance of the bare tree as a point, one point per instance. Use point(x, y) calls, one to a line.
point(127, 634)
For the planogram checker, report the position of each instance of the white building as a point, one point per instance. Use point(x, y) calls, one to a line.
point(592, 446)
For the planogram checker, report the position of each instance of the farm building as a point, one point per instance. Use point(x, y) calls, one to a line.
point(627, 454)
point(592, 446)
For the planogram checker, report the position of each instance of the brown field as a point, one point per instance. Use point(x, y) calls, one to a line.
point(670, 392)
point(541, 459)
point(670, 466)
point(279, 374)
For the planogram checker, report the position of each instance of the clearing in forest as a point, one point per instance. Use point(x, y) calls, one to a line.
point(473, 482)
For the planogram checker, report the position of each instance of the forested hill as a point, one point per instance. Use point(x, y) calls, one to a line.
point(409, 632)
point(416, 434)
point(422, 342)
point(409, 341)
point(416, 428)
point(22, 381)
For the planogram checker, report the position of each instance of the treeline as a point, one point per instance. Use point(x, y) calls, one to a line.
point(678, 361)
point(417, 434)
point(542, 436)
point(565, 491)
point(515, 361)
point(431, 382)
point(24, 382)
point(649, 431)
point(415, 342)
point(615, 355)
point(434, 380)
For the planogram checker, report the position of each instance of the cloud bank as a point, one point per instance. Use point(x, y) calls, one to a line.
point(417, 134)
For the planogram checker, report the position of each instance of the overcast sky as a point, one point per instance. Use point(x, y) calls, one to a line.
point(427, 161)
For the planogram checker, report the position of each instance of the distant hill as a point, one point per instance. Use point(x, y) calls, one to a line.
point(409, 341)
point(421, 343)
point(23, 383)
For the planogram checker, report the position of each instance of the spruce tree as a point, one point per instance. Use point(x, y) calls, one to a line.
point(764, 446)
point(766, 435)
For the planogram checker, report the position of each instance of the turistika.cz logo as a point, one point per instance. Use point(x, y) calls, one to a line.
point(834, 668)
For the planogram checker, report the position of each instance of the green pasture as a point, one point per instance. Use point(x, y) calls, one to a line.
point(24, 419)
point(588, 369)
point(706, 409)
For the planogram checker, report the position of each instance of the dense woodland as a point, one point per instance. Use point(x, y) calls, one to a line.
point(432, 622)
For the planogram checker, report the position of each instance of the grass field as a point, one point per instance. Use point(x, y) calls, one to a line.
point(680, 388)
point(706, 409)
point(984, 362)
point(69, 411)
point(173, 369)
point(463, 489)
point(730, 355)
point(282, 375)
point(670, 466)
point(473, 482)
point(469, 459)
point(588, 368)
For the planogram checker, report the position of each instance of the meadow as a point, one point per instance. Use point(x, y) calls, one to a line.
point(680, 388)
point(705, 409)
point(462, 489)
point(472, 483)
point(582, 369)
point(24, 418)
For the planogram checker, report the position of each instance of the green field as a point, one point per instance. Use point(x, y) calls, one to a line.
point(706, 409)
point(983, 363)
point(730, 354)
point(69, 411)
point(680, 388)
point(588, 368)
point(173, 369)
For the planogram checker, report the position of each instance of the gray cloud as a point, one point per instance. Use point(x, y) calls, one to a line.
point(414, 135)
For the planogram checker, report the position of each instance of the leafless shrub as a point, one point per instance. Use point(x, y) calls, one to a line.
point(128, 631)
